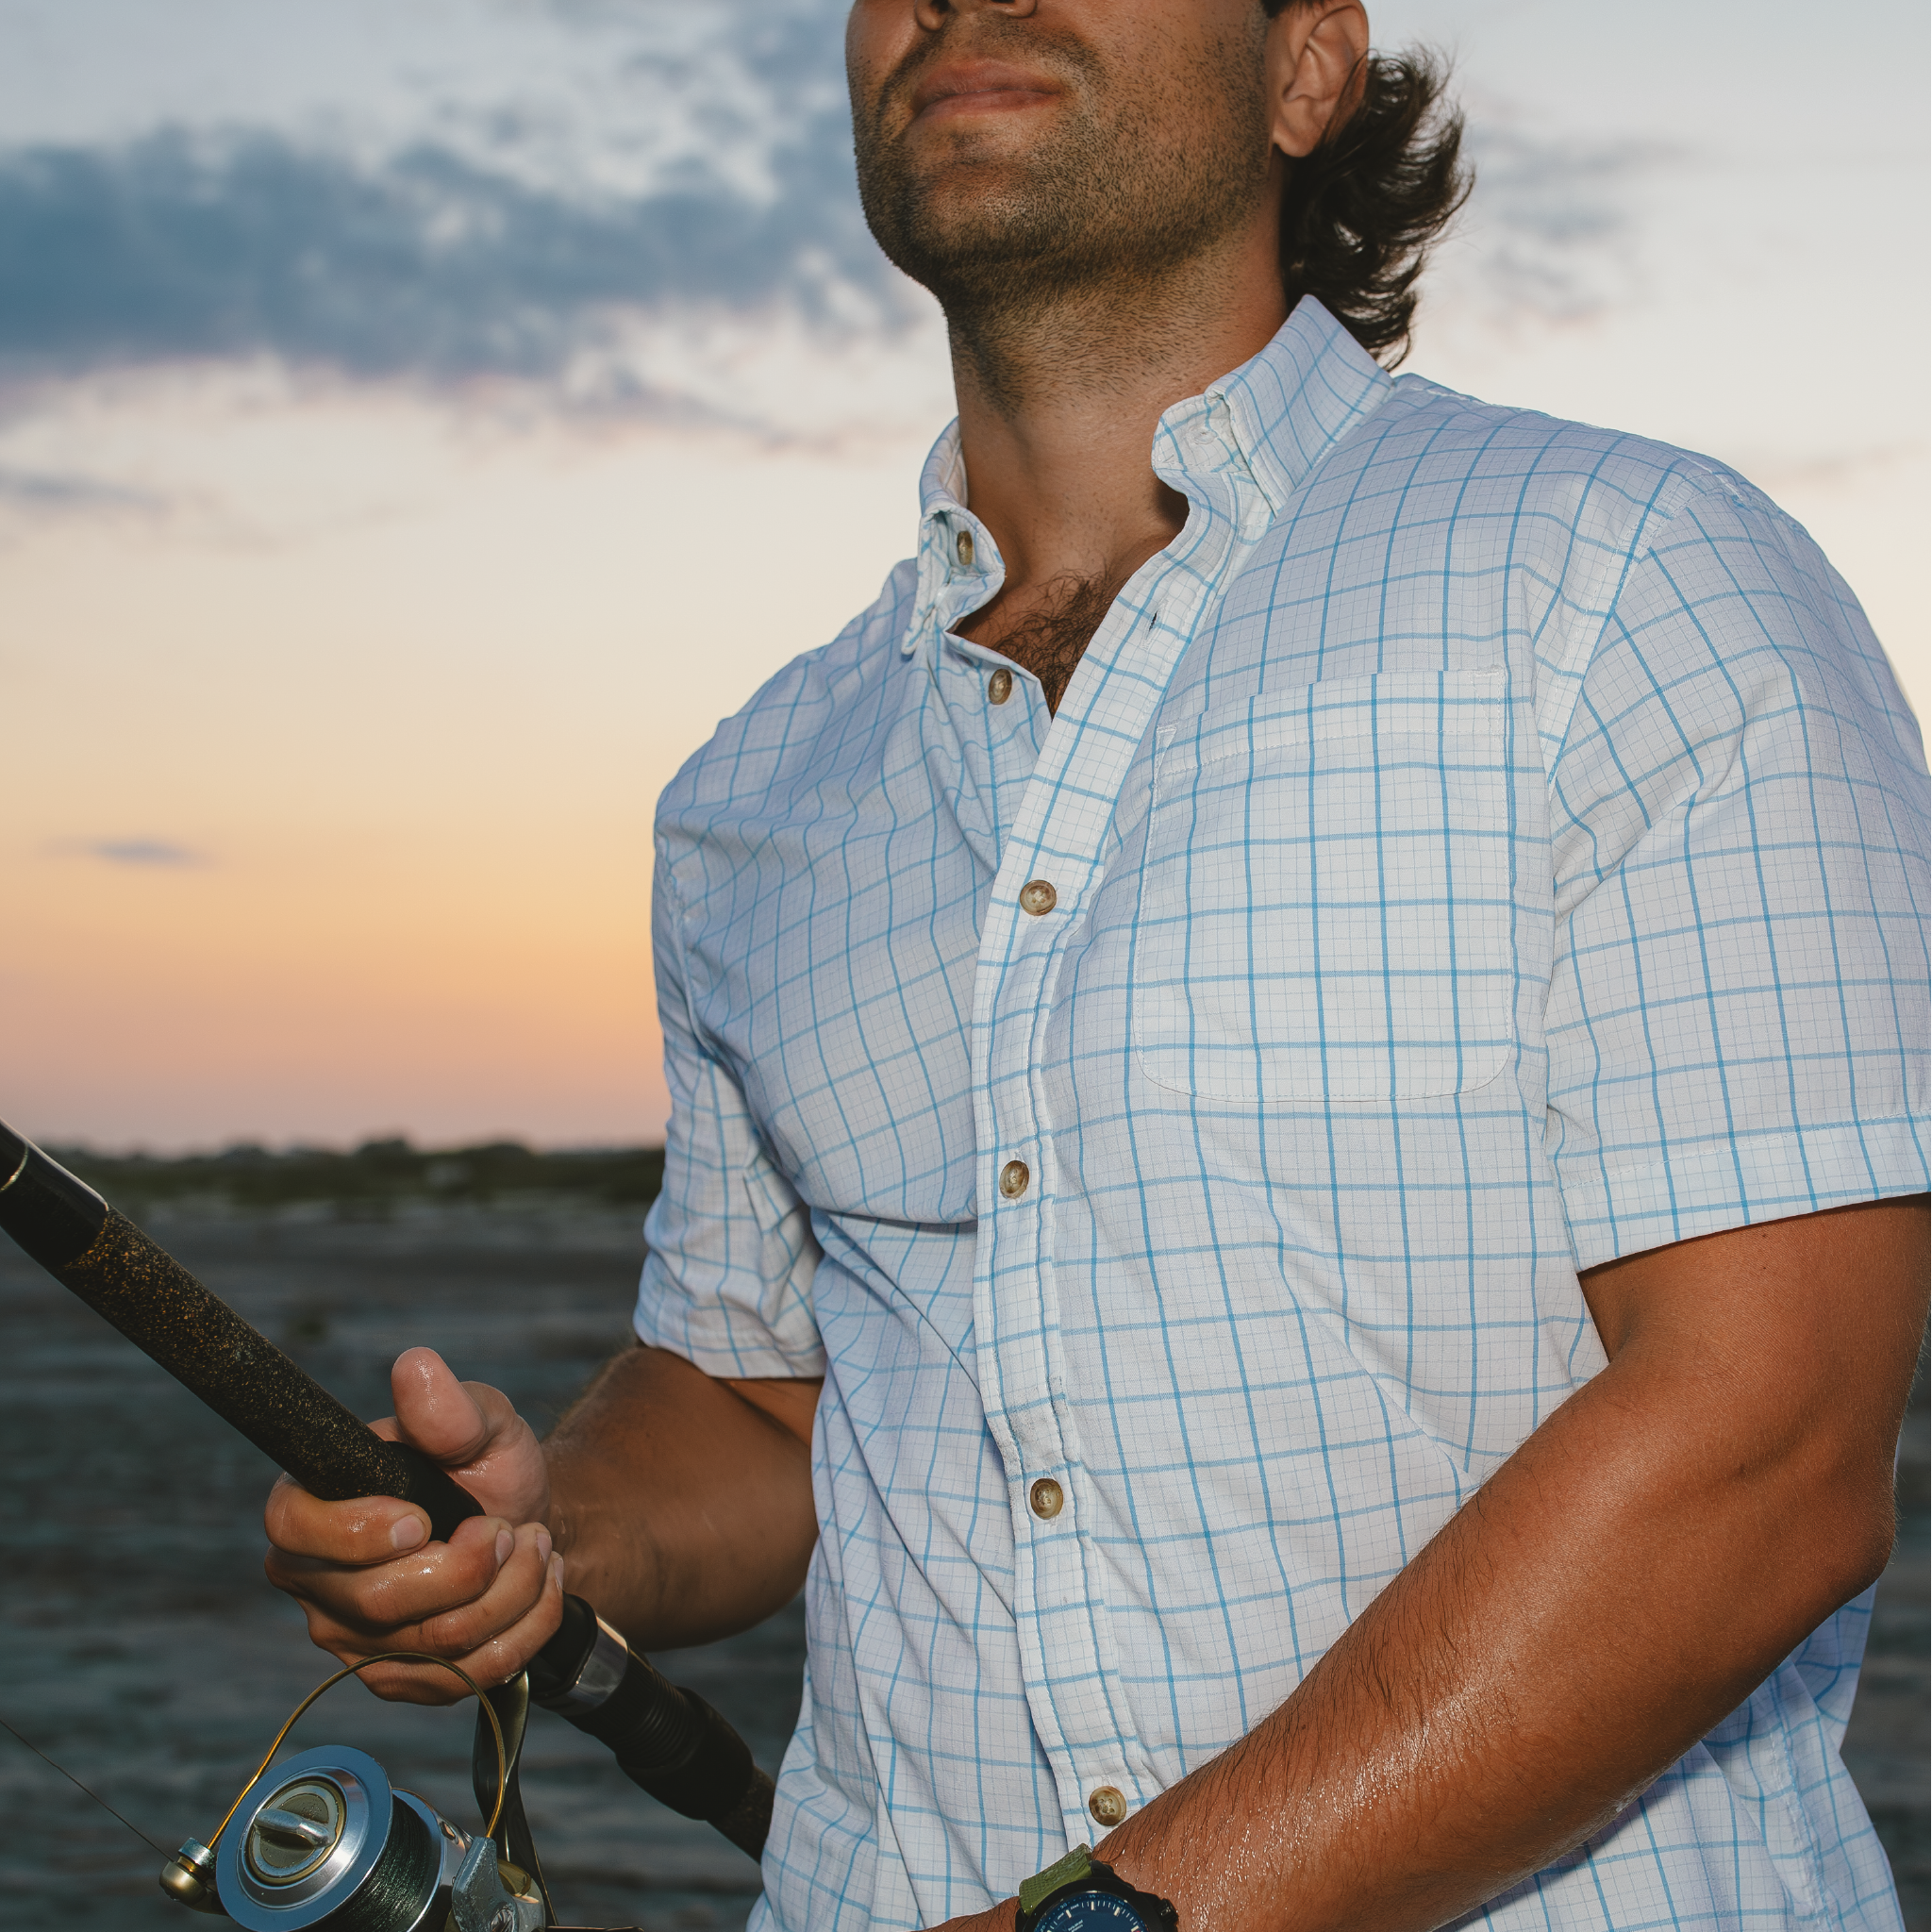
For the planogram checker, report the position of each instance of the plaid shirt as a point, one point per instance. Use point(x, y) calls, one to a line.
point(1478, 846)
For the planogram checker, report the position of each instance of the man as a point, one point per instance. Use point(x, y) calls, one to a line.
point(1297, 1075)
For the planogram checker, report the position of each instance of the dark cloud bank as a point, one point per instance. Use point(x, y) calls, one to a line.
point(177, 246)
point(435, 267)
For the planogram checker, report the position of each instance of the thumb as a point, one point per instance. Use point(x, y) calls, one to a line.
point(434, 1411)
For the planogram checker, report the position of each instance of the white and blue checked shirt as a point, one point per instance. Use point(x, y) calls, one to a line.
point(1480, 846)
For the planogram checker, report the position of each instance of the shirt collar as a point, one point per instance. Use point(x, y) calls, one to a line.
point(1288, 407)
point(1272, 419)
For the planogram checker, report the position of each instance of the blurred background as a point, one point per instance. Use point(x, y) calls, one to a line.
point(419, 424)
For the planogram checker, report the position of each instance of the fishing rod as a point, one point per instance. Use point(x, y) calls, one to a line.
point(324, 1838)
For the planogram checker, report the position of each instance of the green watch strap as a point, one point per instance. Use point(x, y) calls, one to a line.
point(1042, 1885)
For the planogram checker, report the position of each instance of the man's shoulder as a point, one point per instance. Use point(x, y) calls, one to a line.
point(785, 724)
point(1499, 456)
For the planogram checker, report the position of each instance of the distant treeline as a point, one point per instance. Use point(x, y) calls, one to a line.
point(378, 1176)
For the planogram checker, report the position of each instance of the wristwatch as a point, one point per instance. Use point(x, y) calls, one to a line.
point(1080, 1894)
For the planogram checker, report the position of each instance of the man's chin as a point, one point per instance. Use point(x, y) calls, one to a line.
point(985, 218)
point(956, 171)
point(972, 238)
point(974, 202)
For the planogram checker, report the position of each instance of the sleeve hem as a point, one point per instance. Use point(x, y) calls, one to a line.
point(706, 1339)
point(1624, 1207)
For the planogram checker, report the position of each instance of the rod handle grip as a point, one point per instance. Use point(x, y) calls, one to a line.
point(132, 1281)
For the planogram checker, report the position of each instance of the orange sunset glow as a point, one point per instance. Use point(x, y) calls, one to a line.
point(347, 645)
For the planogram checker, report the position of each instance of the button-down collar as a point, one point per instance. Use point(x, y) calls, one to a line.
point(1257, 431)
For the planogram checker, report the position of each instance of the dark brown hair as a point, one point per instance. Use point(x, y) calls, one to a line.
point(1362, 213)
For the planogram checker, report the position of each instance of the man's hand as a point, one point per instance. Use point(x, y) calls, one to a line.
point(682, 1505)
point(368, 1577)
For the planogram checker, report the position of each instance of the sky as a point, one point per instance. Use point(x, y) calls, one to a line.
point(419, 425)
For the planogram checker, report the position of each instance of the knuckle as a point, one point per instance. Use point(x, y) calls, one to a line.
point(455, 1633)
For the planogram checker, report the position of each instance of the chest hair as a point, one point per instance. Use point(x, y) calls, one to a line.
point(1049, 635)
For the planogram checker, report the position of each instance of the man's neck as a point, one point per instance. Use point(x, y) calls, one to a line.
point(1058, 403)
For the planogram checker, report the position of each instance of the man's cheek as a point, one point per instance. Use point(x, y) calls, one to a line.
point(878, 36)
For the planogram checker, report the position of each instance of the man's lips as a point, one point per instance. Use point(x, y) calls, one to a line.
point(979, 86)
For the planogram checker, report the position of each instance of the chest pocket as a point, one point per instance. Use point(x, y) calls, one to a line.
point(1324, 907)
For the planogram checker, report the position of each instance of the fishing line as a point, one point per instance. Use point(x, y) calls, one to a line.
point(79, 1786)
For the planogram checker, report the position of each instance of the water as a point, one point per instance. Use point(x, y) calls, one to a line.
point(148, 1654)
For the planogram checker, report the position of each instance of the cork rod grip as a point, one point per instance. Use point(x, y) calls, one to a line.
point(240, 1374)
point(235, 1370)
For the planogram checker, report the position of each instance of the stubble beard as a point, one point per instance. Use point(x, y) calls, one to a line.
point(1137, 181)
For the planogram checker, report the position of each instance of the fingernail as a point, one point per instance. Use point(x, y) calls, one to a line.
point(506, 1542)
point(543, 1545)
point(557, 1571)
point(406, 1532)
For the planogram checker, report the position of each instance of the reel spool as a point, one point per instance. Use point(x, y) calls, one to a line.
point(323, 1840)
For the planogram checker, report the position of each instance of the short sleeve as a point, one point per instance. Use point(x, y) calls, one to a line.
point(727, 1281)
point(1736, 1024)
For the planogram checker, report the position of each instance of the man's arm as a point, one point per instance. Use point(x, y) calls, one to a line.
point(683, 1504)
point(678, 1504)
point(1626, 1580)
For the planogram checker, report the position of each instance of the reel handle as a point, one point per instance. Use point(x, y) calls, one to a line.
point(667, 1740)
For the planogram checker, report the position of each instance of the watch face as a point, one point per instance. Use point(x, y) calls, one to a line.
point(1090, 1911)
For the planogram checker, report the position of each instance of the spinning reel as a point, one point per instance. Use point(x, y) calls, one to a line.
point(323, 1840)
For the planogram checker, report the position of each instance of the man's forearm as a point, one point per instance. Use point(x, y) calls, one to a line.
point(1623, 1581)
point(682, 1504)
point(1576, 1628)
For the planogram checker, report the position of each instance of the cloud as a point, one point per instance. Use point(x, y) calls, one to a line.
point(50, 491)
point(1552, 229)
point(176, 247)
point(136, 852)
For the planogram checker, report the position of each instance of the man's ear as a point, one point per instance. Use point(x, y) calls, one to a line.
point(1316, 51)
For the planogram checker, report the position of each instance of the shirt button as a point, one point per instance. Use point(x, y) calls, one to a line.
point(1109, 1807)
point(1047, 1498)
point(1037, 896)
point(1013, 1179)
point(963, 544)
point(999, 686)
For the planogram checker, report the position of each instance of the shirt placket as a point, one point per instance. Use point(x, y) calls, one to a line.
point(1050, 864)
